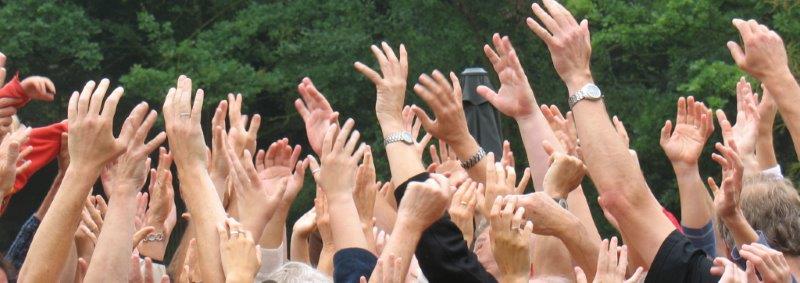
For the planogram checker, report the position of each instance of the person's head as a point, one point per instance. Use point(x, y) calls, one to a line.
point(483, 250)
point(773, 207)
point(292, 272)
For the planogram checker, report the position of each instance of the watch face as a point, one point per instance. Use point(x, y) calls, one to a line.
point(406, 138)
point(592, 91)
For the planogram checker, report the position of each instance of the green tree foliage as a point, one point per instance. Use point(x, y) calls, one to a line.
point(645, 55)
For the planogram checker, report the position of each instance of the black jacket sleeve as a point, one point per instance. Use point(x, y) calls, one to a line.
point(442, 253)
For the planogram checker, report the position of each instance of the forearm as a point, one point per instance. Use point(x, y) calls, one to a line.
point(402, 244)
point(51, 194)
point(765, 150)
point(207, 215)
point(325, 263)
point(404, 162)
point(155, 249)
point(534, 130)
point(696, 203)
point(112, 254)
point(742, 232)
point(298, 252)
point(48, 252)
point(345, 224)
point(385, 215)
point(465, 149)
point(272, 234)
point(581, 247)
point(550, 257)
point(579, 206)
point(786, 92)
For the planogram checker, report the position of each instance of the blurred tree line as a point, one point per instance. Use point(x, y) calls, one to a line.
point(645, 55)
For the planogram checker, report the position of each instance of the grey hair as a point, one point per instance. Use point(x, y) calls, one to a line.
point(292, 272)
point(771, 206)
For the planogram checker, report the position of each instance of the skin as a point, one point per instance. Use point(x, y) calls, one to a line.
point(161, 211)
point(339, 161)
point(12, 158)
point(516, 99)
point(763, 55)
point(727, 197)
point(128, 172)
point(301, 230)
point(422, 205)
point(765, 151)
point(91, 145)
point(390, 84)
point(510, 240)
point(278, 165)
point(241, 258)
point(683, 147)
point(182, 119)
point(616, 174)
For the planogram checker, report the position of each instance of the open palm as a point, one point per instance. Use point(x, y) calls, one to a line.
point(515, 96)
point(694, 127)
point(316, 112)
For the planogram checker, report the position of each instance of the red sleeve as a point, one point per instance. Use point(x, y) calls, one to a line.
point(13, 89)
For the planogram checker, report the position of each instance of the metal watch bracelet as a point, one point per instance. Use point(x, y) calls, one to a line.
point(474, 159)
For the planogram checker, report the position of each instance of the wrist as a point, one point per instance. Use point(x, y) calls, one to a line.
point(733, 219)
point(777, 75)
point(571, 227)
point(408, 226)
point(576, 82)
point(390, 125)
point(238, 277)
point(685, 168)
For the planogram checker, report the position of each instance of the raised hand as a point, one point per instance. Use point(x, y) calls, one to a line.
point(94, 209)
point(569, 43)
point(612, 264)
point(769, 263)
point(390, 84)
point(241, 257)
point(549, 218)
point(694, 126)
point(256, 200)
point(412, 125)
point(729, 272)
point(763, 55)
point(182, 120)
point(727, 198)
point(128, 173)
point(424, 203)
point(366, 188)
point(280, 164)
point(39, 88)
point(563, 128)
point(444, 98)
point(515, 96)
point(565, 174)
point(12, 158)
point(161, 213)
point(462, 208)
point(316, 113)
point(387, 270)
point(218, 160)
point(511, 237)
point(500, 182)
point(240, 136)
point(91, 140)
point(446, 162)
point(339, 160)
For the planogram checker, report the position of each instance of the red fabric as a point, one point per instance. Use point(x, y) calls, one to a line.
point(46, 143)
point(13, 89)
point(672, 219)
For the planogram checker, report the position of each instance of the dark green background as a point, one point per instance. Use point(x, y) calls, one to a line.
point(645, 55)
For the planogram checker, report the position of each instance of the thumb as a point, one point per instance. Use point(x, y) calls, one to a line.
point(423, 117)
point(736, 52)
point(12, 154)
point(488, 94)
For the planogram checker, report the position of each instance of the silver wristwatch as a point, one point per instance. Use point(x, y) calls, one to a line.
point(562, 202)
point(589, 91)
point(404, 137)
point(474, 159)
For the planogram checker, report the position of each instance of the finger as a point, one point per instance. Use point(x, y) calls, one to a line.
point(427, 122)
point(523, 183)
point(666, 133)
point(97, 97)
point(368, 72)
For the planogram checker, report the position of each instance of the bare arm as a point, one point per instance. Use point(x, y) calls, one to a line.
point(619, 180)
point(405, 161)
point(764, 57)
point(765, 151)
point(683, 147)
point(186, 140)
point(48, 252)
point(422, 205)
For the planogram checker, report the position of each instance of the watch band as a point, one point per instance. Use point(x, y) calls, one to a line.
point(474, 159)
point(396, 137)
point(573, 99)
